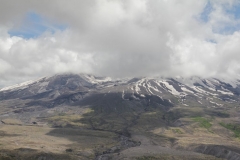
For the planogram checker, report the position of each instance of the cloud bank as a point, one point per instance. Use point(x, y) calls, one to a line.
point(119, 38)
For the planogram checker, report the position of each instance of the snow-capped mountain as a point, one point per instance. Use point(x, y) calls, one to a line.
point(211, 92)
point(142, 107)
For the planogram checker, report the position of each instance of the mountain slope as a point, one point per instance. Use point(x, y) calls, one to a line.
point(97, 117)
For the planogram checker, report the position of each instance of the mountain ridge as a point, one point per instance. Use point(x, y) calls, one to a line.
point(168, 115)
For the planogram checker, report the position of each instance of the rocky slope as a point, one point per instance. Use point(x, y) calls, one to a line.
point(177, 116)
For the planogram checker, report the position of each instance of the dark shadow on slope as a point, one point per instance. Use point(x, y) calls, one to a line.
point(114, 114)
point(38, 96)
point(226, 152)
point(4, 134)
point(111, 121)
point(31, 154)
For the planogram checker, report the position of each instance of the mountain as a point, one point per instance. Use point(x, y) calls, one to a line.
point(82, 116)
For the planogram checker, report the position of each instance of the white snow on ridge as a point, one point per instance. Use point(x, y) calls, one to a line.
point(210, 84)
point(138, 83)
point(152, 87)
point(137, 89)
point(200, 90)
point(110, 85)
point(190, 81)
point(198, 95)
point(93, 80)
point(227, 93)
point(145, 85)
point(187, 90)
point(132, 88)
point(135, 97)
point(234, 83)
point(149, 91)
point(21, 85)
point(200, 102)
point(123, 94)
point(215, 80)
point(171, 88)
point(17, 86)
point(155, 89)
point(212, 89)
point(43, 84)
point(230, 99)
point(216, 103)
point(158, 83)
point(41, 90)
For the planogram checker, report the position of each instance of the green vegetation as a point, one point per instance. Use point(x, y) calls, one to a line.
point(184, 111)
point(233, 127)
point(65, 120)
point(68, 120)
point(203, 122)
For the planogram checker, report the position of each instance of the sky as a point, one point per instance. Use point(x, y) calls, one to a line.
point(119, 38)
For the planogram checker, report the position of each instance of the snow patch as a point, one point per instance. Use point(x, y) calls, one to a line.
point(216, 103)
point(138, 83)
point(171, 88)
point(200, 102)
point(21, 85)
point(95, 80)
point(223, 92)
point(187, 90)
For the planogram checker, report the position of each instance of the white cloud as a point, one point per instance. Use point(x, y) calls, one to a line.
point(120, 38)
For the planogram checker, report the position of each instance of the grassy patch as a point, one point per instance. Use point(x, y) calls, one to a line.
point(233, 127)
point(66, 120)
point(178, 131)
point(11, 121)
point(183, 111)
point(203, 122)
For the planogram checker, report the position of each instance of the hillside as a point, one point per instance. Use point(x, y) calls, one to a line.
point(81, 116)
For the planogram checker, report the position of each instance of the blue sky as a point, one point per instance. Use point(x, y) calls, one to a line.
point(223, 28)
point(234, 10)
point(206, 11)
point(33, 25)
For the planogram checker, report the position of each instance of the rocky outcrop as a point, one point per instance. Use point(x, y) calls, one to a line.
point(226, 152)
